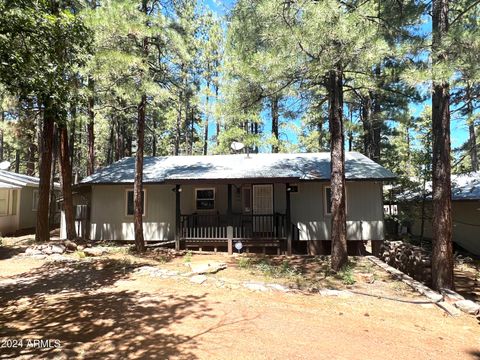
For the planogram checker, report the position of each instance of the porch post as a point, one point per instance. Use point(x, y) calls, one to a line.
point(177, 217)
point(288, 220)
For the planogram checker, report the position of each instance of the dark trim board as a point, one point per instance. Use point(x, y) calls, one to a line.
point(233, 181)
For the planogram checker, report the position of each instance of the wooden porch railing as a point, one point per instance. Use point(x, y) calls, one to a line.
point(245, 227)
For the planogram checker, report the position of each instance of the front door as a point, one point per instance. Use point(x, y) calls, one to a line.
point(262, 206)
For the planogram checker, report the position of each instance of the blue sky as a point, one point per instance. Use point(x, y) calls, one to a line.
point(459, 129)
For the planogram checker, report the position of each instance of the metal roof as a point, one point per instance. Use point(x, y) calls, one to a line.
point(302, 166)
point(4, 185)
point(466, 186)
point(12, 178)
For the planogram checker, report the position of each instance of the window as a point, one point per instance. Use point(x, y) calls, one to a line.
point(263, 199)
point(3, 202)
point(35, 200)
point(130, 203)
point(205, 199)
point(327, 199)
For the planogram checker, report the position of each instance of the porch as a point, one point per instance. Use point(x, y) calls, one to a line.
point(223, 231)
point(216, 217)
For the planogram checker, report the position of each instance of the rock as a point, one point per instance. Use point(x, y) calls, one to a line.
point(206, 267)
point(332, 292)
point(57, 249)
point(449, 308)
point(32, 251)
point(254, 286)
point(70, 245)
point(468, 306)
point(156, 272)
point(451, 296)
point(278, 287)
point(59, 258)
point(198, 279)
point(95, 251)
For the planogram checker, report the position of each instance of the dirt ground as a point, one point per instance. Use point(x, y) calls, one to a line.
point(102, 309)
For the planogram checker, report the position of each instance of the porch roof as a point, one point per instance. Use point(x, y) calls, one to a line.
point(292, 167)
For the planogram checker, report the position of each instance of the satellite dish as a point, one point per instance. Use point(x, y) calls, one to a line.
point(237, 146)
point(4, 165)
point(238, 245)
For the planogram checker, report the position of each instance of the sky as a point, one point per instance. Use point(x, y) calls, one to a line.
point(459, 129)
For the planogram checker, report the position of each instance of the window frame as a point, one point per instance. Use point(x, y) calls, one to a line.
point(7, 203)
point(36, 194)
point(214, 198)
point(144, 202)
point(328, 212)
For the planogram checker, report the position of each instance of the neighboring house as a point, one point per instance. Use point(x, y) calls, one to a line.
point(18, 202)
point(465, 211)
point(260, 199)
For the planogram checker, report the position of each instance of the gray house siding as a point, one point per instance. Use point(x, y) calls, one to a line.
point(28, 218)
point(466, 225)
point(364, 211)
point(110, 222)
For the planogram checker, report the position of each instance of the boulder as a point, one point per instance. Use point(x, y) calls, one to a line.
point(468, 306)
point(198, 279)
point(278, 287)
point(33, 251)
point(255, 286)
point(70, 245)
point(206, 267)
point(95, 251)
point(57, 249)
point(451, 296)
point(449, 308)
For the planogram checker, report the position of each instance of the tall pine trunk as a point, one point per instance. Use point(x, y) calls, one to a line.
point(473, 147)
point(442, 256)
point(138, 184)
point(66, 171)
point(471, 130)
point(138, 197)
point(337, 178)
point(2, 119)
point(42, 232)
point(91, 127)
point(275, 117)
point(207, 115)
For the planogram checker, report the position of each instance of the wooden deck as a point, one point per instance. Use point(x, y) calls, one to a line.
point(222, 231)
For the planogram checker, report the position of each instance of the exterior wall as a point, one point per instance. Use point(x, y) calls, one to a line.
point(27, 216)
point(187, 199)
point(364, 211)
point(110, 222)
point(466, 225)
point(9, 223)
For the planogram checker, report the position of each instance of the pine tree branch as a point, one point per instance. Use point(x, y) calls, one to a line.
point(459, 16)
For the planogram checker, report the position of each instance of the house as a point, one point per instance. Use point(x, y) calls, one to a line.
point(264, 200)
point(18, 202)
point(465, 211)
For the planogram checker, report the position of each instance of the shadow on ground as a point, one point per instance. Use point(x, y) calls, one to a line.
point(103, 325)
point(7, 252)
point(57, 277)
point(75, 304)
